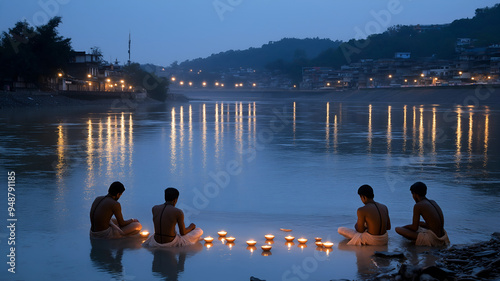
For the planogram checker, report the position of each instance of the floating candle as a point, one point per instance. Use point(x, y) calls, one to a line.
point(285, 229)
point(208, 239)
point(251, 242)
point(317, 238)
point(230, 239)
point(269, 236)
point(289, 238)
point(266, 247)
point(222, 233)
point(319, 243)
point(328, 244)
point(302, 240)
point(144, 233)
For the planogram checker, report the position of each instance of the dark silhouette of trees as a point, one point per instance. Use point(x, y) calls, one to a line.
point(34, 54)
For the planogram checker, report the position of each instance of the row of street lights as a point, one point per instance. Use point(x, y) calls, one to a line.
point(205, 84)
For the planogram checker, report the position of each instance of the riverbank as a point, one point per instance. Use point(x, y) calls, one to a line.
point(479, 261)
point(31, 99)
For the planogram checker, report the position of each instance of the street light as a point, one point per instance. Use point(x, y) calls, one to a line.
point(59, 74)
point(89, 75)
point(390, 75)
point(173, 79)
point(422, 75)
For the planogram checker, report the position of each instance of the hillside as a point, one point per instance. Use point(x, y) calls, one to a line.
point(483, 28)
point(286, 50)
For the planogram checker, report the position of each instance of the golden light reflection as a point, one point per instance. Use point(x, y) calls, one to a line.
point(61, 156)
point(217, 132)
point(335, 133)
point(90, 156)
point(122, 140)
point(486, 136)
point(190, 128)
point(414, 129)
point(130, 140)
point(370, 129)
point(100, 144)
point(389, 129)
point(405, 128)
point(173, 141)
point(204, 135)
point(294, 119)
point(421, 132)
point(327, 127)
point(469, 142)
point(181, 135)
point(433, 131)
point(110, 147)
point(458, 153)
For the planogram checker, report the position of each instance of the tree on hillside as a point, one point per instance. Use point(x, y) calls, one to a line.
point(33, 54)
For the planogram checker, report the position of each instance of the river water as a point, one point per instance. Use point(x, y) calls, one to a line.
point(246, 163)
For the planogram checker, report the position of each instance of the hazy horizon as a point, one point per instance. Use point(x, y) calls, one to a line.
point(163, 32)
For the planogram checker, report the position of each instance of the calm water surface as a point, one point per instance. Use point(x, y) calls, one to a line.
point(248, 164)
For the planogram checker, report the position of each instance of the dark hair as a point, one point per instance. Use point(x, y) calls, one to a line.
point(115, 188)
point(366, 190)
point(419, 188)
point(171, 194)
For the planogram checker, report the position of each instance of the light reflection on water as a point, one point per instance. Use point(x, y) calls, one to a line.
point(297, 158)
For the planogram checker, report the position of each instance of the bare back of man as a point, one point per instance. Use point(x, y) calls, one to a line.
point(373, 217)
point(165, 218)
point(432, 215)
point(102, 211)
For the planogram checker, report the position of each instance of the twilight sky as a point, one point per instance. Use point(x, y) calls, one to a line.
point(164, 31)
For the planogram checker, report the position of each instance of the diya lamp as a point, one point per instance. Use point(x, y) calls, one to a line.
point(251, 242)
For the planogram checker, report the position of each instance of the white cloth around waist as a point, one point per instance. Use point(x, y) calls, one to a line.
point(179, 241)
point(363, 238)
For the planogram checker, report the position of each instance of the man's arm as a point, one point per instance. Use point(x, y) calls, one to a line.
point(388, 227)
point(182, 227)
point(360, 224)
point(416, 219)
point(117, 211)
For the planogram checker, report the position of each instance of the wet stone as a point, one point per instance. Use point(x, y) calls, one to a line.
point(385, 254)
point(485, 254)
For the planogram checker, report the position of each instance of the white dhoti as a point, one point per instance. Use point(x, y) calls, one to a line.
point(363, 238)
point(179, 241)
point(112, 232)
point(427, 237)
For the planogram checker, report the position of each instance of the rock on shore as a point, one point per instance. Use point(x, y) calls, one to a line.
point(475, 262)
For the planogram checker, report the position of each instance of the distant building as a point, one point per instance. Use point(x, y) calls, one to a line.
point(402, 55)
